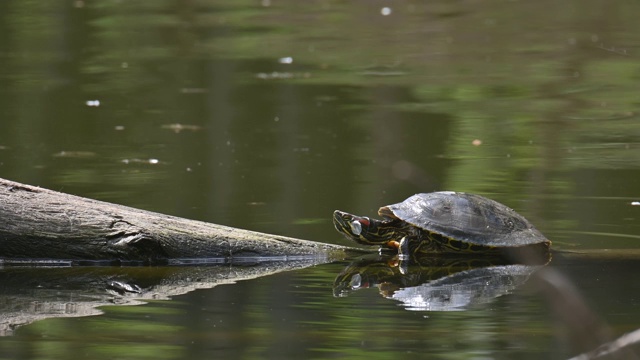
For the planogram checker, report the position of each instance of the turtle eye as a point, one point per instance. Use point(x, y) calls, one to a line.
point(356, 227)
point(356, 281)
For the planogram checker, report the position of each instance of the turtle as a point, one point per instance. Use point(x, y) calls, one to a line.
point(443, 222)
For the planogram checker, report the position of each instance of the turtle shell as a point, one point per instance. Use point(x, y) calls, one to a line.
point(466, 217)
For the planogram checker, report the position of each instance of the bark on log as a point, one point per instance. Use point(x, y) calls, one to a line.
point(37, 223)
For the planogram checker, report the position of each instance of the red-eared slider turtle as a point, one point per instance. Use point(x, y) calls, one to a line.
point(443, 222)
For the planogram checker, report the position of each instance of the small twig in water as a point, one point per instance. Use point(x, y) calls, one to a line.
point(613, 50)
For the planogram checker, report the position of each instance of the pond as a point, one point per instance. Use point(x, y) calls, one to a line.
point(269, 115)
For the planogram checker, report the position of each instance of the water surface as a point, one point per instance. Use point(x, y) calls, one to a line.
point(269, 115)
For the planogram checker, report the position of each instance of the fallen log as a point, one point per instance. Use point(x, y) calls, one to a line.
point(37, 223)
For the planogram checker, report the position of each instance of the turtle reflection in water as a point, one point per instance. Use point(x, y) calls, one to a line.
point(445, 223)
point(435, 283)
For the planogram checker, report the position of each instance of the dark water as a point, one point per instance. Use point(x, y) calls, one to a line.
point(269, 115)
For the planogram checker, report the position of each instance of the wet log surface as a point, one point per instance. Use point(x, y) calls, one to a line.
point(37, 223)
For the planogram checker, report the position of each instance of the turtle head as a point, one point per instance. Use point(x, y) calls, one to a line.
point(363, 230)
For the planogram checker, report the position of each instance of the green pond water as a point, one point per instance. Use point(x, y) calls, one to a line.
point(269, 115)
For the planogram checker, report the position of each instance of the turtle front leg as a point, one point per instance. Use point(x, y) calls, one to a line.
point(412, 245)
point(405, 248)
point(390, 246)
point(416, 245)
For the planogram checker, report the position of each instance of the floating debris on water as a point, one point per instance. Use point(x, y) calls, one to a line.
point(141, 161)
point(282, 75)
point(194, 90)
point(75, 154)
point(382, 73)
point(177, 128)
